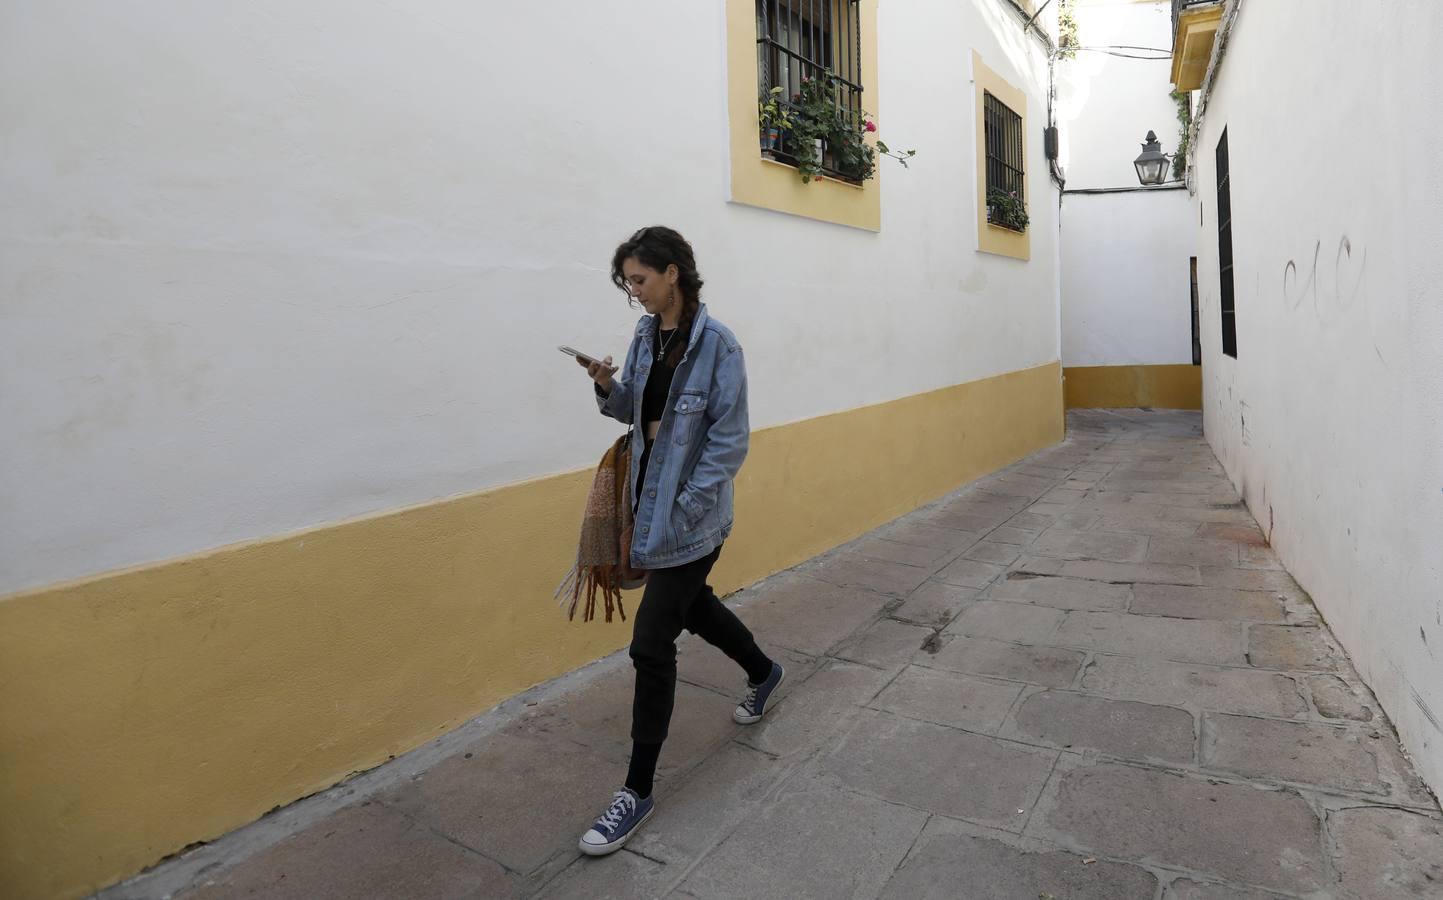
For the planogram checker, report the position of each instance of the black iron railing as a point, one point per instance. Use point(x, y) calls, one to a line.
point(1002, 139)
point(799, 39)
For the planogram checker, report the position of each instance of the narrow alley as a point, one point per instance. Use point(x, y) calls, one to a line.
point(1083, 676)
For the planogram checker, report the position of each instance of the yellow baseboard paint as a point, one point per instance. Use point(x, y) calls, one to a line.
point(1130, 387)
point(144, 710)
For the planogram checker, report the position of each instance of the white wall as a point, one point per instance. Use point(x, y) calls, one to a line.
point(271, 265)
point(1126, 294)
point(1126, 282)
point(1330, 421)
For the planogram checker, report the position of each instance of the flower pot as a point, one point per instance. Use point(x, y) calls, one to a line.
point(770, 138)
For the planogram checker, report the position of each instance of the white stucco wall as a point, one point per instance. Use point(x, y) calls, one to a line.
point(1330, 420)
point(274, 265)
point(1126, 295)
point(1126, 282)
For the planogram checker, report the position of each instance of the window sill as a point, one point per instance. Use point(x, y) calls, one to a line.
point(767, 160)
point(1006, 228)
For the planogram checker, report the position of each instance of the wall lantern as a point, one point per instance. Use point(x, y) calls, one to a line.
point(1152, 164)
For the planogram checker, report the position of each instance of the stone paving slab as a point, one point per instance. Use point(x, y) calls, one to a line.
point(940, 769)
point(1152, 525)
point(903, 552)
point(1006, 534)
point(1048, 666)
point(504, 797)
point(368, 850)
point(1192, 552)
point(1264, 838)
point(1299, 752)
point(1085, 675)
point(1186, 640)
point(920, 534)
point(1193, 686)
point(1018, 622)
point(1066, 543)
point(970, 702)
point(1335, 699)
point(1062, 593)
point(935, 603)
point(623, 877)
point(1226, 604)
point(970, 573)
point(1123, 728)
point(888, 644)
point(1189, 889)
point(853, 570)
point(951, 860)
point(1387, 853)
point(1289, 647)
point(814, 841)
point(1109, 572)
point(993, 552)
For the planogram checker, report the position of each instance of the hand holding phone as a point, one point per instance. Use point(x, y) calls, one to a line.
point(600, 370)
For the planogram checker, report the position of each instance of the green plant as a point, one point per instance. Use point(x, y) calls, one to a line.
point(1005, 208)
point(816, 118)
point(1184, 119)
point(1066, 30)
point(772, 113)
point(821, 116)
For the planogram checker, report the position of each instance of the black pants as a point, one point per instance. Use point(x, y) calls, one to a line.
point(674, 599)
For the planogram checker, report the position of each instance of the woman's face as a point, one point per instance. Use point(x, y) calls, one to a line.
point(652, 289)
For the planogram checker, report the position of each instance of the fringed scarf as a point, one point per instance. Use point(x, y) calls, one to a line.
point(603, 559)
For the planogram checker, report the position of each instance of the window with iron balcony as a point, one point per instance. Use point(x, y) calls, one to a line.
point(1006, 198)
point(809, 84)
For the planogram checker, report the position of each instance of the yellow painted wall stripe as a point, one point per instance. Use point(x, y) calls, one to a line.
point(147, 709)
point(1130, 387)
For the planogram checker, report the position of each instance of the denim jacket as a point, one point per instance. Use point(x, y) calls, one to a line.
point(685, 508)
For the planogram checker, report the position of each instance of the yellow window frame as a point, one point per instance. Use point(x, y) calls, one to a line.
point(994, 238)
point(766, 183)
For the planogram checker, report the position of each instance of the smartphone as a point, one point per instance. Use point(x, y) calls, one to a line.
point(588, 360)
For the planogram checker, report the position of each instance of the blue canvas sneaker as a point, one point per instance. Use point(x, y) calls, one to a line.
point(616, 826)
point(754, 704)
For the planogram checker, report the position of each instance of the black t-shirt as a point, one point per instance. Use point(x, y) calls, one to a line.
point(653, 397)
point(658, 382)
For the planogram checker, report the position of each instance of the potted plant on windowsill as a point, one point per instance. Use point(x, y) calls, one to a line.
point(774, 118)
point(822, 125)
point(1006, 209)
point(815, 119)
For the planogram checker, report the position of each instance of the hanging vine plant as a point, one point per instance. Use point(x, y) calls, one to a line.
point(1184, 120)
point(1066, 30)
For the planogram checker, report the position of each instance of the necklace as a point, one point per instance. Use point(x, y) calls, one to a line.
point(661, 354)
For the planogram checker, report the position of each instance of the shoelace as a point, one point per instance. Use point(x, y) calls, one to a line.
point(621, 804)
point(750, 700)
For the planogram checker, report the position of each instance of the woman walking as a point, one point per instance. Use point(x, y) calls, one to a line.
point(683, 388)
